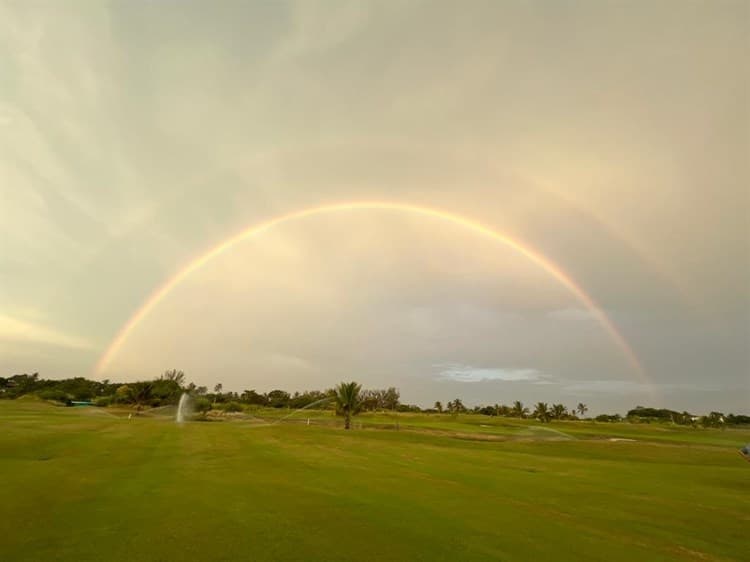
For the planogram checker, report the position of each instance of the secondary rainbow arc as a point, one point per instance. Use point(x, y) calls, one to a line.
point(529, 253)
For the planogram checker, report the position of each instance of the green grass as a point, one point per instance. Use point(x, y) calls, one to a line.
point(89, 484)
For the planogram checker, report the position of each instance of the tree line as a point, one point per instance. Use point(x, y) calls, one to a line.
point(347, 399)
point(167, 388)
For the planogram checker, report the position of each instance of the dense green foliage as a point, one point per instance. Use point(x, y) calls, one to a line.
point(713, 419)
point(77, 388)
point(167, 389)
point(348, 401)
point(91, 484)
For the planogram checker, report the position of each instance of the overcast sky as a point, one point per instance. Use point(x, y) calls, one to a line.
point(611, 137)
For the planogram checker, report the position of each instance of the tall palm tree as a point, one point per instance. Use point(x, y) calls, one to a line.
point(348, 400)
point(519, 410)
point(559, 411)
point(541, 411)
point(582, 408)
point(503, 410)
point(439, 406)
point(458, 406)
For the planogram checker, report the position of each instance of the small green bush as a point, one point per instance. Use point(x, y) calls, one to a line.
point(55, 395)
point(201, 405)
point(232, 407)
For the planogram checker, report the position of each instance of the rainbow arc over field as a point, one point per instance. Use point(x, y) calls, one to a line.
point(546, 264)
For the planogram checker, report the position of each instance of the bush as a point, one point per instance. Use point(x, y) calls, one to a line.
point(55, 395)
point(124, 395)
point(232, 407)
point(200, 405)
point(103, 401)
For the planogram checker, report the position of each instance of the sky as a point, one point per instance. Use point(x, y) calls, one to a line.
point(610, 139)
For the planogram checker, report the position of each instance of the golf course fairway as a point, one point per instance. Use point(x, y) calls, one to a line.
point(91, 484)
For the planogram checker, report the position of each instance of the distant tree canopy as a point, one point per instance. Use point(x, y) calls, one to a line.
point(167, 388)
point(641, 414)
point(278, 399)
point(455, 406)
point(651, 413)
point(158, 392)
point(77, 388)
point(387, 399)
point(608, 418)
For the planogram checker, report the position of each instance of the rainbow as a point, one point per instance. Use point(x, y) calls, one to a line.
point(474, 226)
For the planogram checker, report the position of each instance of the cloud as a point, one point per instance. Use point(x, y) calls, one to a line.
point(467, 373)
point(131, 142)
point(12, 329)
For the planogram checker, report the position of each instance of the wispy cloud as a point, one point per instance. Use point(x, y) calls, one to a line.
point(467, 373)
point(289, 362)
point(130, 143)
point(13, 329)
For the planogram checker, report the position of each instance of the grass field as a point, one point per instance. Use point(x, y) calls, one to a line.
point(89, 484)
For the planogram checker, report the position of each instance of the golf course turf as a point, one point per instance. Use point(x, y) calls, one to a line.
point(91, 484)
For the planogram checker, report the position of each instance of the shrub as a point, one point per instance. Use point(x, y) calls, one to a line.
point(232, 407)
point(200, 405)
point(124, 394)
point(55, 395)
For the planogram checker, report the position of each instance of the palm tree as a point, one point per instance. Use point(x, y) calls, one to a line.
point(519, 410)
point(582, 408)
point(348, 400)
point(503, 410)
point(559, 411)
point(541, 412)
point(439, 406)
